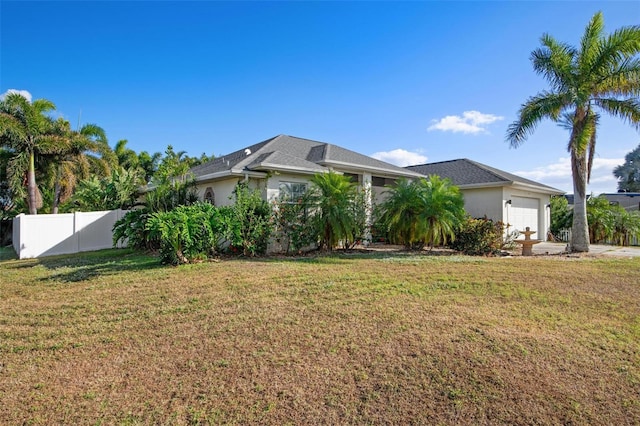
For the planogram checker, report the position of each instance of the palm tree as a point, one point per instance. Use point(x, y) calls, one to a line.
point(334, 194)
point(149, 164)
point(426, 211)
point(86, 152)
point(443, 209)
point(127, 157)
point(603, 74)
point(28, 133)
point(399, 213)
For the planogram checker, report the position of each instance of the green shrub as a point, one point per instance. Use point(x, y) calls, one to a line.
point(479, 237)
point(132, 229)
point(187, 233)
point(294, 225)
point(248, 223)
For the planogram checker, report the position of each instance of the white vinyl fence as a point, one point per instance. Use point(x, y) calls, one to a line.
point(50, 234)
point(565, 236)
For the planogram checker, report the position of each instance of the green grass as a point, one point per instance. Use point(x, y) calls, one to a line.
point(7, 253)
point(111, 337)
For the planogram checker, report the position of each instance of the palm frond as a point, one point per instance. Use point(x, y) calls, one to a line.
point(554, 61)
point(624, 80)
point(620, 47)
point(591, 149)
point(590, 43)
point(626, 109)
point(544, 105)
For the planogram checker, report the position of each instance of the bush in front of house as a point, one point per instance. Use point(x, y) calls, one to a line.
point(248, 223)
point(187, 234)
point(295, 228)
point(478, 237)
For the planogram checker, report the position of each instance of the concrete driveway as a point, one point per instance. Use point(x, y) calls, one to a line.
point(599, 249)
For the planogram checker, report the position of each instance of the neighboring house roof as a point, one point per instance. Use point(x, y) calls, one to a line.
point(288, 153)
point(466, 173)
point(629, 200)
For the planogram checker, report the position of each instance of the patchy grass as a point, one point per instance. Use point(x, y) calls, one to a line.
point(111, 338)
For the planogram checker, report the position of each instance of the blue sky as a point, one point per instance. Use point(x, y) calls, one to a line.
point(408, 82)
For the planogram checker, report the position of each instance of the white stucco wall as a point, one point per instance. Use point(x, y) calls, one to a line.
point(482, 202)
point(222, 189)
point(492, 202)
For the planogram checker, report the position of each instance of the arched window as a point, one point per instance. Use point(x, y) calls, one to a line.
point(209, 196)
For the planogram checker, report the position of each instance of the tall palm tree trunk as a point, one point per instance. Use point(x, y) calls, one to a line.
point(57, 188)
point(580, 228)
point(32, 189)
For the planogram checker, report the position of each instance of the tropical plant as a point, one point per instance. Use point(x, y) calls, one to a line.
point(561, 215)
point(294, 225)
point(479, 237)
point(603, 74)
point(601, 217)
point(132, 230)
point(84, 152)
point(443, 210)
point(149, 164)
point(333, 195)
point(118, 191)
point(127, 158)
point(626, 227)
point(247, 224)
point(628, 174)
point(426, 211)
point(28, 133)
point(611, 223)
point(187, 233)
point(172, 185)
point(399, 213)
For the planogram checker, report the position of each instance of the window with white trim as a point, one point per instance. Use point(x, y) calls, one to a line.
point(292, 191)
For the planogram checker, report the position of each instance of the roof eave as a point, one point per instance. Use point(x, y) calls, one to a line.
point(231, 173)
point(517, 185)
point(355, 167)
point(280, 168)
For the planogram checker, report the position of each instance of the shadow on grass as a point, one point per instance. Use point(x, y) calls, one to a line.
point(7, 253)
point(340, 256)
point(83, 266)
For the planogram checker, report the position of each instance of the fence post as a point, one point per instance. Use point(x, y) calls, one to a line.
point(16, 234)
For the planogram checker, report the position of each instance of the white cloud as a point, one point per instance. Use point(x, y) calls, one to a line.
point(558, 175)
point(24, 93)
point(400, 157)
point(473, 122)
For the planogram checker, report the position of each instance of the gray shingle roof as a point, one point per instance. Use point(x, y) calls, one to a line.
point(465, 172)
point(288, 152)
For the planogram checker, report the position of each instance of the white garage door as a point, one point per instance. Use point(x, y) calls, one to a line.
point(524, 212)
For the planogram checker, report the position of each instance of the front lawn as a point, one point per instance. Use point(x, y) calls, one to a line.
point(112, 338)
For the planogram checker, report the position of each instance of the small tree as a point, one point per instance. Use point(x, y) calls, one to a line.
point(561, 215)
point(628, 174)
point(426, 211)
point(333, 195)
